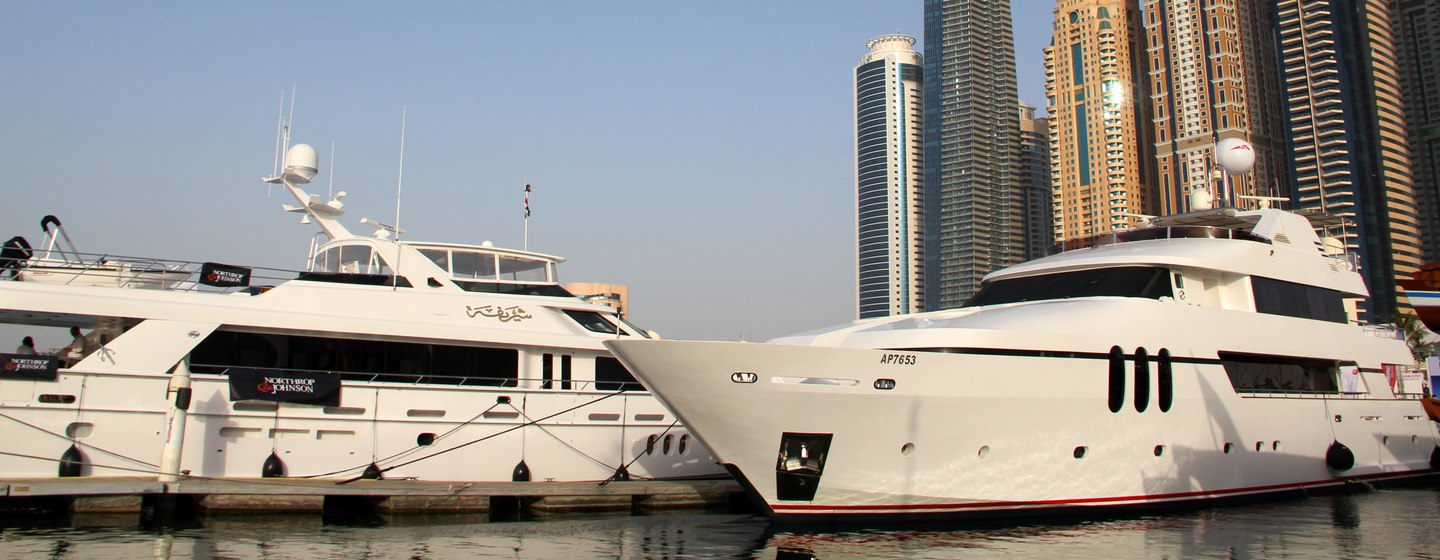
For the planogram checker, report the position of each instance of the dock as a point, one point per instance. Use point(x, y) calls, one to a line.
point(235, 496)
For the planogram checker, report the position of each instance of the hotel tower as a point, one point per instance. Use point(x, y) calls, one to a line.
point(889, 179)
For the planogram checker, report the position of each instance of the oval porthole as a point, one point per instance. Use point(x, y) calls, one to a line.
point(79, 430)
point(684, 441)
point(1117, 379)
point(1259, 446)
point(907, 449)
point(1385, 440)
point(1166, 381)
point(1228, 447)
point(1159, 450)
point(666, 446)
point(650, 444)
point(1275, 446)
point(425, 439)
point(1142, 380)
point(1080, 452)
point(984, 451)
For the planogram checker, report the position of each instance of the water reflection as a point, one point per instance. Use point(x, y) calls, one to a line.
point(1380, 524)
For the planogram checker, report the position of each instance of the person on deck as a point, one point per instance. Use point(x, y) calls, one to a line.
point(27, 347)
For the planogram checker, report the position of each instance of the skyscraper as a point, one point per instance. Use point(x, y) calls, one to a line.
point(889, 178)
point(1417, 32)
point(1032, 176)
point(1213, 75)
point(1100, 120)
point(1347, 133)
point(973, 213)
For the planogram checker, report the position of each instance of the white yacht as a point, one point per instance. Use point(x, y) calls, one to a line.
point(1206, 357)
point(383, 358)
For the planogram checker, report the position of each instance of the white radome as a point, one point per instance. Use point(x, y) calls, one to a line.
point(1235, 156)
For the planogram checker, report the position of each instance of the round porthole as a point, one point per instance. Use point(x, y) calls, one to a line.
point(425, 439)
point(907, 449)
point(984, 451)
point(1080, 452)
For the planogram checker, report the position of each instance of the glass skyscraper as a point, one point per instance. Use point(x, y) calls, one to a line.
point(974, 214)
point(889, 178)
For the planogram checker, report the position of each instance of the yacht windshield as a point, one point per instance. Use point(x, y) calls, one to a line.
point(1140, 282)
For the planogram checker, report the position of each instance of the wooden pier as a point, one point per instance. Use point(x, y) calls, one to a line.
point(231, 496)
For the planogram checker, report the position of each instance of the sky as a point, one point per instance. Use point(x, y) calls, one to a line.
point(700, 153)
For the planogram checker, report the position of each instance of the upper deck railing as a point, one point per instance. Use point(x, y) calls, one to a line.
point(1152, 233)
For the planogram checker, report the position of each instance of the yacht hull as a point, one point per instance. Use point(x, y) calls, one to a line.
point(904, 435)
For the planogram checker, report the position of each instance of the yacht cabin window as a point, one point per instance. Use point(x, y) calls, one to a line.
point(480, 265)
point(1129, 281)
point(351, 259)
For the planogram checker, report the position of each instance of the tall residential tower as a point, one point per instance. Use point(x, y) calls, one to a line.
point(1214, 75)
point(889, 178)
point(1347, 134)
point(973, 212)
point(1100, 125)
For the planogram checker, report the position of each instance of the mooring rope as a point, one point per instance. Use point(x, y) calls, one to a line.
point(496, 434)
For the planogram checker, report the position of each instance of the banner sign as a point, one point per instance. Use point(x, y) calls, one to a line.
point(224, 276)
point(34, 367)
point(321, 389)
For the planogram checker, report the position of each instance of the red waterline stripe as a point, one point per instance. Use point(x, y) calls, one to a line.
point(1082, 501)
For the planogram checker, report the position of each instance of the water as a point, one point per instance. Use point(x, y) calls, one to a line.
point(1383, 524)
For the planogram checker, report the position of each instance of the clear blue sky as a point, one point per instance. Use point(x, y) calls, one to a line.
point(701, 153)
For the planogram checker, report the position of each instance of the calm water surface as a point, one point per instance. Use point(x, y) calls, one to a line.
point(1383, 524)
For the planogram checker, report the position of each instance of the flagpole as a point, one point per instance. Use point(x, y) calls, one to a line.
point(527, 217)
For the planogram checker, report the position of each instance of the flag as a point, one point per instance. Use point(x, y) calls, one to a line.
point(527, 200)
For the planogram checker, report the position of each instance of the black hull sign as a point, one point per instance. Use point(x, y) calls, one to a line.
point(320, 389)
point(29, 366)
point(224, 276)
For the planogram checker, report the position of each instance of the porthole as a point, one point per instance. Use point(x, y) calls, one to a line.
point(78, 430)
point(1228, 447)
point(1414, 439)
point(1117, 379)
point(1142, 380)
point(425, 439)
point(665, 449)
point(984, 451)
point(1385, 440)
point(650, 444)
point(1259, 446)
point(1275, 446)
point(907, 449)
point(684, 441)
point(1159, 450)
point(1166, 382)
point(1080, 452)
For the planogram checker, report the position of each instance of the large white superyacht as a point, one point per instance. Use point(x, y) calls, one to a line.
point(1208, 356)
point(383, 358)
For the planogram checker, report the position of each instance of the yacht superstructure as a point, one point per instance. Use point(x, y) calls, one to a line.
point(437, 361)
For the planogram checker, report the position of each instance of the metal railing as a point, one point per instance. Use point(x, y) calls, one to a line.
point(121, 271)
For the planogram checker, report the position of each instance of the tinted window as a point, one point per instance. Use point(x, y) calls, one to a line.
point(1278, 297)
point(1141, 282)
point(592, 321)
point(1255, 373)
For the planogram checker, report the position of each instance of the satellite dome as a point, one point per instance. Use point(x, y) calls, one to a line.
point(1234, 155)
point(301, 163)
